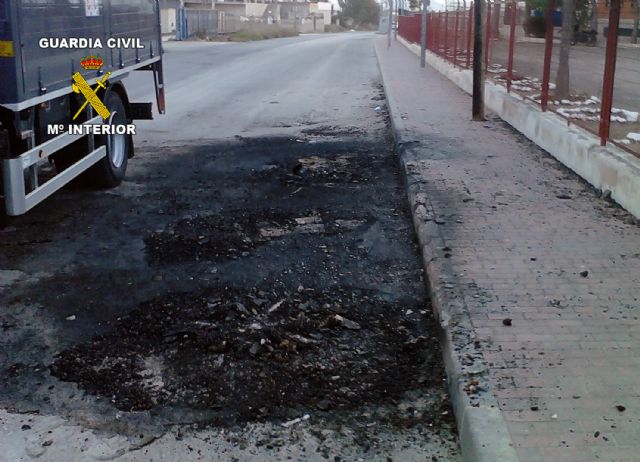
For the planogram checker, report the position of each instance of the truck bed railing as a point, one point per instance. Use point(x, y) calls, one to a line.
point(17, 199)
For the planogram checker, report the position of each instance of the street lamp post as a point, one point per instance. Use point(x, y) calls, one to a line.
point(395, 31)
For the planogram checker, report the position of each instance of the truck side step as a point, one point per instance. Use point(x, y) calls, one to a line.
point(141, 111)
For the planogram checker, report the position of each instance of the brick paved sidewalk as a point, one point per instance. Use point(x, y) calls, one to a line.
point(531, 243)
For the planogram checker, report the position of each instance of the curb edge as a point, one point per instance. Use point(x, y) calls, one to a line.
point(483, 434)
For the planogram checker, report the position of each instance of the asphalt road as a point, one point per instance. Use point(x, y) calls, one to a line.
point(253, 289)
point(221, 90)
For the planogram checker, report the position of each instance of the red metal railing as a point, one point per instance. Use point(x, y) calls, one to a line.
point(409, 28)
point(609, 71)
point(450, 35)
point(548, 50)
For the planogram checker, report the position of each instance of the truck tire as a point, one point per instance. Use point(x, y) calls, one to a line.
point(110, 171)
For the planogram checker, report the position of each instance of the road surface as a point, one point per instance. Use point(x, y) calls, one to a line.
point(252, 291)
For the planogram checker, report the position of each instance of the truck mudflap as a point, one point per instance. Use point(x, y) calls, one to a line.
point(4, 142)
point(18, 171)
point(158, 78)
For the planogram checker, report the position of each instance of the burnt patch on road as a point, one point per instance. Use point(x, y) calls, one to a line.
point(236, 234)
point(331, 130)
point(321, 169)
point(261, 354)
point(241, 281)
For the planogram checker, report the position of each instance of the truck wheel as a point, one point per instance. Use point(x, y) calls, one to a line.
point(110, 171)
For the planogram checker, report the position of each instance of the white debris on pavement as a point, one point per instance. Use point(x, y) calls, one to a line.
point(630, 138)
point(290, 423)
point(631, 116)
point(496, 69)
point(580, 112)
point(588, 110)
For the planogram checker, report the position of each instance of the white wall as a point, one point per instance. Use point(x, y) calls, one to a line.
point(168, 20)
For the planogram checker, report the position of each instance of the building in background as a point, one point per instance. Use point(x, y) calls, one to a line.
point(302, 16)
point(168, 14)
point(629, 17)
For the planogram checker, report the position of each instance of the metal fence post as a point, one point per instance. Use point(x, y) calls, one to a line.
point(512, 42)
point(434, 27)
point(446, 33)
point(434, 33)
point(443, 28)
point(455, 37)
point(423, 34)
point(548, 48)
point(609, 71)
point(429, 30)
point(435, 22)
point(440, 30)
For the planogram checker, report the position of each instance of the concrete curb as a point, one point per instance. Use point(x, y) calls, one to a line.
point(483, 433)
point(607, 168)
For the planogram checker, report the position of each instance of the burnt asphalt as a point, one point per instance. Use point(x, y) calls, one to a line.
point(257, 266)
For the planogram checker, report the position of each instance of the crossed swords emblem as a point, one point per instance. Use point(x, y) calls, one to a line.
point(80, 85)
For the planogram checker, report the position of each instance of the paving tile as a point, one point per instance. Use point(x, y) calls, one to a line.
point(520, 250)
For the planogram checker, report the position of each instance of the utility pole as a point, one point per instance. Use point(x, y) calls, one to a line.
point(390, 26)
point(423, 33)
point(395, 31)
point(477, 107)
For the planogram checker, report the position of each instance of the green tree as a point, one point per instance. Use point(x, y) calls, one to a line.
point(585, 14)
point(577, 15)
point(536, 5)
point(362, 12)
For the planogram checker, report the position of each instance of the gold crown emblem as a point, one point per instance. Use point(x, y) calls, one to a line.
point(92, 63)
